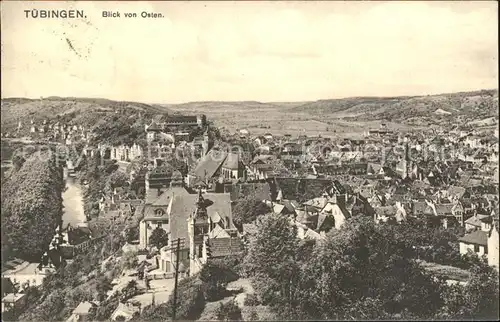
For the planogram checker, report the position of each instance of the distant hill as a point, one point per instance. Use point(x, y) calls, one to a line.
point(85, 111)
point(455, 107)
point(333, 114)
point(227, 106)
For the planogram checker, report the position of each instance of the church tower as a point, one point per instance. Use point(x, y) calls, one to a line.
point(198, 227)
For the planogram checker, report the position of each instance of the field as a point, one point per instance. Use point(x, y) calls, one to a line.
point(282, 118)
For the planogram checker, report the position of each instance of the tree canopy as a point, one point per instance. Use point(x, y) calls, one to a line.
point(159, 238)
point(248, 209)
point(359, 266)
point(31, 207)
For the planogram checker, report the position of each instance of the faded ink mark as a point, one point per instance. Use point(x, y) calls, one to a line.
point(71, 47)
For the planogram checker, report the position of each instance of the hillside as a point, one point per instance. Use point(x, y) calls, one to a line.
point(330, 117)
point(84, 111)
point(416, 110)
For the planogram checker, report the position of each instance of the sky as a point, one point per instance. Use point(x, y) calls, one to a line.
point(262, 51)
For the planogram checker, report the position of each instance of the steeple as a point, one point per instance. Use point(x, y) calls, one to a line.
point(201, 208)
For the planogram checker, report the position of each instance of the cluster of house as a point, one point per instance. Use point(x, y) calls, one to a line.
point(456, 188)
point(318, 182)
point(56, 131)
point(17, 276)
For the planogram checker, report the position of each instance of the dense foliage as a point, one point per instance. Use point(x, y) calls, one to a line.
point(363, 271)
point(117, 129)
point(247, 209)
point(32, 207)
point(228, 312)
point(132, 234)
point(431, 242)
point(478, 300)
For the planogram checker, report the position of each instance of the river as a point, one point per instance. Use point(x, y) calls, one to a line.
point(73, 203)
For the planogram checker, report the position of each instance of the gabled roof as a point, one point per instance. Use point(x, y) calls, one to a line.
point(261, 191)
point(477, 237)
point(422, 208)
point(209, 164)
point(290, 205)
point(319, 202)
point(444, 209)
point(278, 208)
point(476, 220)
point(218, 232)
point(321, 220)
point(185, 205)
point(165, 197)
point(215, 217)
point(311, 234)
point(232, 161)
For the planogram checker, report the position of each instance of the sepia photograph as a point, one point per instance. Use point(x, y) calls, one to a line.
point(249, 160)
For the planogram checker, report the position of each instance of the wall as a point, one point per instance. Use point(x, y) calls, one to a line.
point(145, 232)
point(465, 247)
point(493, 249)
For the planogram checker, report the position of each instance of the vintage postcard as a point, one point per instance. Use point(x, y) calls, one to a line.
point(249, 160)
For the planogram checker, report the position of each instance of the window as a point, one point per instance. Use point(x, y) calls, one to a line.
point(485, 250)
point(159, 212)
point(200, 250)
point(476, 248)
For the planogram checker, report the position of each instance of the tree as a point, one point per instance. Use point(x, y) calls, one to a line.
point(215, 276)
point(132, 234)
point(103, 285)
point(32, 206)
point(363, 265)
point(477, 300)
point(272, 261)
point(159, 238)
point(247, 210)
point(364, 261)
point(115, 180)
